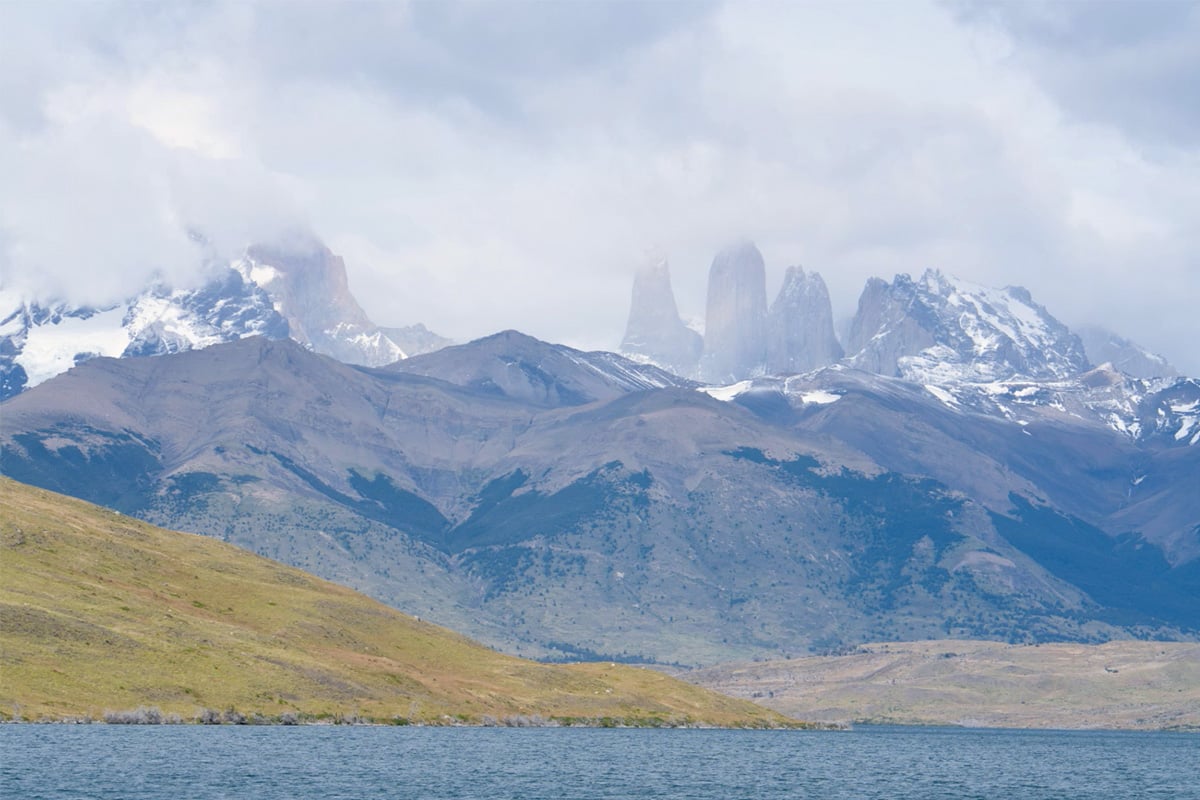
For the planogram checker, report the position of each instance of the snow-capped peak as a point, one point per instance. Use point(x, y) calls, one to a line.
point(301, 293)
point(943, 329)
point(38, 341)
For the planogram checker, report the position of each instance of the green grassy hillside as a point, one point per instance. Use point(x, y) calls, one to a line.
point(100, 612)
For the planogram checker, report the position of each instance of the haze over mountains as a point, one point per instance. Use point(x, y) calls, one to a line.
point(931, 330)
point(961, 470)
point(295, 289)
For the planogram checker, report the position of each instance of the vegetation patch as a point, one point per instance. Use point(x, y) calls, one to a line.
point(106, 618)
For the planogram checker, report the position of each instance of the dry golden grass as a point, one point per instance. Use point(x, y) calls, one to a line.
point(102, 612)
point(1125, 684)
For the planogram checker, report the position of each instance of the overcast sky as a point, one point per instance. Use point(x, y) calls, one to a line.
point(506, 165)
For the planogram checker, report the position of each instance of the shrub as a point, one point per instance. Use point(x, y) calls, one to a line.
point(143, 715)
point(209, 716)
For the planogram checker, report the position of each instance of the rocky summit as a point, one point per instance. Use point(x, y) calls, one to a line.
point(308, 285)
point(655, 331)
point(735, 335)
point(39, 341)
point(297, 289)
point(1105, 347)
point(800, 333)
point(940, 328)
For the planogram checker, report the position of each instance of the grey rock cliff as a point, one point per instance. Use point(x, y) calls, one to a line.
point(1105, 347)
point(735, 325)
point(416, 339)
point(655, 331)
point(800, 334)
point(308, 284)
point(298, 289)
point(882, 330)
point(941, 329)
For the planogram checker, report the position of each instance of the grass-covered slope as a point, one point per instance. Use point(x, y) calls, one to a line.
point(1119, 684)
point(102, 612)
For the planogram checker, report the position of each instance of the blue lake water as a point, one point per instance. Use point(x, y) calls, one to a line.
point(203, 763)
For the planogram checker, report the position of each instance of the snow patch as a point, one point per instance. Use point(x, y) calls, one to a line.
point(943, 395)
point(820, 397)
point(1185, 429)
point(727, 393)
point(52, 349)
point(260, 274)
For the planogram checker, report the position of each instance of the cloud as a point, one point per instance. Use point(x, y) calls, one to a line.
point(120, 162)
point(492, 165)
point(1131, 64)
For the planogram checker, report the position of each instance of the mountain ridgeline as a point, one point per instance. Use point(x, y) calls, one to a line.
point(743, 337)
point(562, 504)
point(960, 469)
point(930, 330)
point(297, 289)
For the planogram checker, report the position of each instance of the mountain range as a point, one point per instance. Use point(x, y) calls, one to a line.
point(296, 290)
point(962, 470)
point(936, 329)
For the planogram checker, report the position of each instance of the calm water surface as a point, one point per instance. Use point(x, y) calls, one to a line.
point(204, 763)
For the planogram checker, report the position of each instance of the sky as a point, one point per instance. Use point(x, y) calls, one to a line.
point(492, 165)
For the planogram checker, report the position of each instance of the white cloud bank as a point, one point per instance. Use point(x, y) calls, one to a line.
point(495, 165)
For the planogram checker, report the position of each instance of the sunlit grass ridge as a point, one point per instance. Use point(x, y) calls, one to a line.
point(101, 613)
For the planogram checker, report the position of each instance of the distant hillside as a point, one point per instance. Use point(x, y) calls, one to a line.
point(1131, 685)
point(100, 612)
point(579, 506)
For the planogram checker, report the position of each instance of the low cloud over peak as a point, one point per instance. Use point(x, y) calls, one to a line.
point(483, 167)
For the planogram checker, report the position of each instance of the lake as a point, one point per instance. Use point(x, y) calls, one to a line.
point(207, 762)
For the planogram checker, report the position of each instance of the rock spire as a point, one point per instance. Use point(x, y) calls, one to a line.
point(655, 331)
point(800, 333)
point(735, 341)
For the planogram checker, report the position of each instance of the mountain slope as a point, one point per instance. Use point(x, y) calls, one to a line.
point(37, 342)
point(511, 364)
point(583, 512)
point(100, 612)
point(1059, 443)
point(941, 329)
point(1105, 347)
